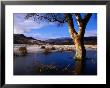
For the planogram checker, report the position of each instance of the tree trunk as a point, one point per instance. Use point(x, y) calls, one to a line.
point(80, 48)
point(79, 45)
point(78, 38)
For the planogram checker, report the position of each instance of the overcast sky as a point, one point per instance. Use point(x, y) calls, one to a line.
point(46, 30)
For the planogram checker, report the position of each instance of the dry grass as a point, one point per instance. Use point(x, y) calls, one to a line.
point(51, 69)
point(41, 68)
point(53, 48)
point(23, 50)
point(69, 49)
point(61, 49)
point(47, 51)
point(42, 47)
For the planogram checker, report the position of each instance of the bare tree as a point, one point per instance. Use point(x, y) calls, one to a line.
point(61, 18)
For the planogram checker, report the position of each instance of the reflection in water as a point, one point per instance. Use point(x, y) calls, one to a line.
point(79, 67)
point(55, 63)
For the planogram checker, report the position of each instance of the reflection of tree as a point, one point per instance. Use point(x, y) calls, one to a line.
point(79, 67)
point(61, 18)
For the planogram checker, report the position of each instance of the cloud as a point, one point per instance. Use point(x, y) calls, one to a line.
point(22, 26)
point(32, 34)
point(17, 30)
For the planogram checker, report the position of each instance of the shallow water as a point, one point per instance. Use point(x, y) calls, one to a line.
point(28, 65)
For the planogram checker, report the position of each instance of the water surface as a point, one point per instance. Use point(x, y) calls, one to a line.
point(61, 63)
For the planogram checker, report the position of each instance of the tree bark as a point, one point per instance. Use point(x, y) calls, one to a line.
point(78, 38)
point(78, 41)
point(72, 31)
point(80, 48)
point(79, 45)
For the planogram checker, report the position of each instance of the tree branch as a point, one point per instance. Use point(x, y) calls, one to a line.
point(78, 17)
point(69, 20)
point(59, 18)
point(86, 18)
point(80, 23)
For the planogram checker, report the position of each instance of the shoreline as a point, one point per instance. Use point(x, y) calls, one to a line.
point(37, 48)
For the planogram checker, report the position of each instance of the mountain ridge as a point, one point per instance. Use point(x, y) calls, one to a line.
point(22, 39)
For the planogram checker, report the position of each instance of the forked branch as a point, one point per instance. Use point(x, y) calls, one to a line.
point(69, 20)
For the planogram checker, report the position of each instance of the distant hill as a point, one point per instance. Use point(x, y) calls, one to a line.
point(90, 40)
point(66, 40)
point(60, 41)
point(21, 39)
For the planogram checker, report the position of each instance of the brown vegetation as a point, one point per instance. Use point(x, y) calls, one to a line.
point(23, 50)
point(42, 47)
point(47, 51)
